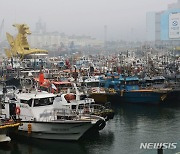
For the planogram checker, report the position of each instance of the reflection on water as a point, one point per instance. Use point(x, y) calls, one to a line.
point(132, 124)
point(139, 123)
point(31, 146)
point(45, 147)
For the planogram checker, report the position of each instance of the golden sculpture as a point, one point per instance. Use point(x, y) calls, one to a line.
point(19, 46)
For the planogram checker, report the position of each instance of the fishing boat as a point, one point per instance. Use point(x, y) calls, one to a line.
point(83, 105)
point(92, 86)
point(128, 91)
point(40, 119)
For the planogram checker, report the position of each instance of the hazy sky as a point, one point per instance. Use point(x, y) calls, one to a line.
point(125, 19)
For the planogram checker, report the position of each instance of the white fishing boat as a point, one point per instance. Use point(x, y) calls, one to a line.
point(82, 105)
point(40, 118)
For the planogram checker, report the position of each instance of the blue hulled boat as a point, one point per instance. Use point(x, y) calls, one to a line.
point(141, 96)
point(127, 90)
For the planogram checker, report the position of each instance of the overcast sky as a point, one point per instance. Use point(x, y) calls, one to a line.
point(125, 19)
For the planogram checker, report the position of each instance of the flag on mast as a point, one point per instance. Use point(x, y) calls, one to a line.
point(41, 78)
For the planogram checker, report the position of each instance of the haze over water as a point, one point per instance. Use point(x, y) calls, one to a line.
point(125, 19)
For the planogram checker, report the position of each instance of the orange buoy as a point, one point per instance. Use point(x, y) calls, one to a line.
point(29, 128)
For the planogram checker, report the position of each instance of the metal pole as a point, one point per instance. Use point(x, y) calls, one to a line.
point(160, 150)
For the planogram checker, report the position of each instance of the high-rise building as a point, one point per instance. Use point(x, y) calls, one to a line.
point(164, 27)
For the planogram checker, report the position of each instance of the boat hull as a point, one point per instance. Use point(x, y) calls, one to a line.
point(142, 97)
point(3, 137)
point(61, 130)
point(173, 97)
point(100, 98)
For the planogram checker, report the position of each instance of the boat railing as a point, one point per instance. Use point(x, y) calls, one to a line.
point(96, 108)
point(87, 100)
point(58, 114)
point(84, 101)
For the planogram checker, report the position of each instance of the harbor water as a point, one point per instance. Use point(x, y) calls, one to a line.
point(132, 125)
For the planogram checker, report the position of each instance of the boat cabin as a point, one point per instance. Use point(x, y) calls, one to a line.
point(36, 99)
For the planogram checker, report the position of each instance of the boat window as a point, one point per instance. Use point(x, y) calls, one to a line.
point(132, 82)
point(73, 107)
point(87, 105)
point(82, 97)
point(36, 102)
point(111, 86)
point(65, 85)
point(102, 84)
point(43, 102)
point(29, 102)
point(43, 88)
point(159, 81)
point(51, 99)
point(2, 106)
point(93, 84)
point(81, 106)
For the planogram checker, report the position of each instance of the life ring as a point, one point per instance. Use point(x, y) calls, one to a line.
point(18, 110)
point(101, 89)
point(94, 90)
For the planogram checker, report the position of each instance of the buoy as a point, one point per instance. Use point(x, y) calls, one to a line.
point(29, 128)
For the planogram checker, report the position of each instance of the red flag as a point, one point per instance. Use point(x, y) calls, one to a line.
point(67, 63)
point(41, 78)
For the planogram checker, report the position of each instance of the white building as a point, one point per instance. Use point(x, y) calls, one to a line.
point(44, 40)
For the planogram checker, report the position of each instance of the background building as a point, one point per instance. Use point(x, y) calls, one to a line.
point(57, 43)
point(164, 27)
